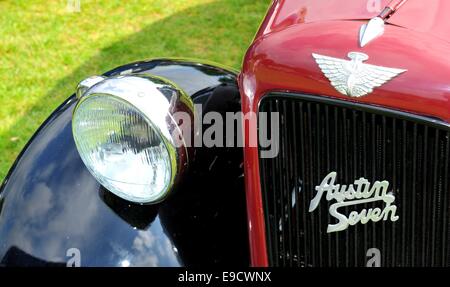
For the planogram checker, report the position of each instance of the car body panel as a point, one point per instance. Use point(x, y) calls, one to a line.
point(51, 206)
point(431, 19)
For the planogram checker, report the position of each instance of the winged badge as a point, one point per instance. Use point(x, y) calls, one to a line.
point(353, 77)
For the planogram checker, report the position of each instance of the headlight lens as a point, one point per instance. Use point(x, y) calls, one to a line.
point(121, 130)
point(121, 148)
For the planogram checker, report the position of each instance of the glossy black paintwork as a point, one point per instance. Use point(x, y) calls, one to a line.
point(50, 203)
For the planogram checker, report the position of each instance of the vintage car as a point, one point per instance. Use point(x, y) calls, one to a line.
point(360, 90)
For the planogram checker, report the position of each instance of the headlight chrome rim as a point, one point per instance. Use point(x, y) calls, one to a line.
point(156, 99)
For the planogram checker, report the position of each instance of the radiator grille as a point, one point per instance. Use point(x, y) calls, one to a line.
point(318, 136)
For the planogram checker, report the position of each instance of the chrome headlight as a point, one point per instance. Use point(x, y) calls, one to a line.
point(127, 137)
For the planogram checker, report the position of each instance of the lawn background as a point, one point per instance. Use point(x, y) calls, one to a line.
point(46, 49)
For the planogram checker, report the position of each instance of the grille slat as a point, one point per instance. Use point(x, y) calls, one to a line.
point(296, 183)
point(303, 163)
point(413, 196)
point(424, 200)
point(445, 206)
point(319, 136)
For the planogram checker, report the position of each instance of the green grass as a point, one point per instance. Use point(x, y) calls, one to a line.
point(45, 50)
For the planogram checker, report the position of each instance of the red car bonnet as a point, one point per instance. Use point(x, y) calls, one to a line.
point(422, 16)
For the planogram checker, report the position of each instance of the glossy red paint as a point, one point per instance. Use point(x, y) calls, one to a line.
point(422, 16)
point(280, 60)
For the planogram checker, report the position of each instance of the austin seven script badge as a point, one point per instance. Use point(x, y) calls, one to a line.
point(361, 191)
